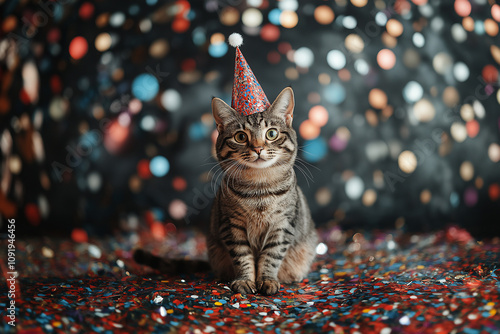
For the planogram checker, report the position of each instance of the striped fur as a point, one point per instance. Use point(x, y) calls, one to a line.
point(261, 230)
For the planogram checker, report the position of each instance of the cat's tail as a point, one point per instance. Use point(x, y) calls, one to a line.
point(170, 266)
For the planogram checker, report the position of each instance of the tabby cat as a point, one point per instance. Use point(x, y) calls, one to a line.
point(261, 230)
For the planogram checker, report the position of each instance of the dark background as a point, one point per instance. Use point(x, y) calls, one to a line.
point(77, 149)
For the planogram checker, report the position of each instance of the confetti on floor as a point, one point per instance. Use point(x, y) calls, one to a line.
point(364, 283)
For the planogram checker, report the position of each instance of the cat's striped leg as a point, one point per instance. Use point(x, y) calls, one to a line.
point(298, 259)
point(234, 237)
point(271, 257)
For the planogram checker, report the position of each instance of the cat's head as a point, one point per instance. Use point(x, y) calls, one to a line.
point(260, 140)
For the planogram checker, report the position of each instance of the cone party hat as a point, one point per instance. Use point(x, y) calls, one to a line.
point(248, 97)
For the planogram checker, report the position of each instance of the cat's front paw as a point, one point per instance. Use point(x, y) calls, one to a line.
point(268, 286)
point(243, 286)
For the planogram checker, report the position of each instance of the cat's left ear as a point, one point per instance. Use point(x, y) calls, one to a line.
point(222, 113)
point(283, 105)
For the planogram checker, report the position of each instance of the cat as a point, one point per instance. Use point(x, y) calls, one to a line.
point(261, 230)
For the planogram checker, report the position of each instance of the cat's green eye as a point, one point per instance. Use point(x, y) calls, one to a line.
point(272, 134)
point(240, 137)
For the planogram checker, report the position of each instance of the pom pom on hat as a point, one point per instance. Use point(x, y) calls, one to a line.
point(235, 40)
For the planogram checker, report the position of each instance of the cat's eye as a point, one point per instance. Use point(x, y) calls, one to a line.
point(272, 134)
point(240, 137)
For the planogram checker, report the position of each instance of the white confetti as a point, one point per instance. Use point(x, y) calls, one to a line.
point(405, 320)
point(158, 300)
point(209, 329)
point(94, 251)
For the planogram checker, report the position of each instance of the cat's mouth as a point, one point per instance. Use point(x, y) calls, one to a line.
point(260, 162)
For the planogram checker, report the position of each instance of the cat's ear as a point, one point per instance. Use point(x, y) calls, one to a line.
point(222, 113)
point(283, 105)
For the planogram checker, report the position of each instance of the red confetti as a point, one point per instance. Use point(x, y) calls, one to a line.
point(24, 97)
point(79, 235)
point(179, 183)
point(490, 74)
point(158, 231)
point(472, 127)
point(54, 35)
point(270, 33)
point(188, 65)
point(494, 191)
point(78, 47)
point(180, 25)
point(284, 47)
point(143, 169)
point(273, 57)
point(457, 234)
point(56, 84)
point(86, 10)
point(32, 213)
point(170, 227)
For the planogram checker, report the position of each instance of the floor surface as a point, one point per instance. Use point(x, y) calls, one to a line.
point(384, 282)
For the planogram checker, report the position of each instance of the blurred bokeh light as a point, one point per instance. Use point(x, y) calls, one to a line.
point(106, 122)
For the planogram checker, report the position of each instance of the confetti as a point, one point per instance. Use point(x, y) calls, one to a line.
point(438, 283)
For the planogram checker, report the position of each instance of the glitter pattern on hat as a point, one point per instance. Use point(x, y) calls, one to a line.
point(248, 97)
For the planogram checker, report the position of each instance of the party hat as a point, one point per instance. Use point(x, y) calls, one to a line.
point(248, 97)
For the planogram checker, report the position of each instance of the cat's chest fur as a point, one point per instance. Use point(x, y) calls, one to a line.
point(261, 216)
point(257, 235)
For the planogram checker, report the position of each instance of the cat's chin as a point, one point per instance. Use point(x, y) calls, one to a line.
point(259, 163)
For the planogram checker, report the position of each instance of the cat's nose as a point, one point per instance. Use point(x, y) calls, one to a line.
point(257, 149)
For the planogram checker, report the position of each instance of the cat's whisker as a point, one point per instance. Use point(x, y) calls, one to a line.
point(216, 176)
point(232, 176)
point(305, 175)
point(221, 172)
point(308, 163)
point(305, 167)
point(228, 173)
point(215, 166)
point(210, 156)
point(235, 174)
point(210, 163)
point(213, 183)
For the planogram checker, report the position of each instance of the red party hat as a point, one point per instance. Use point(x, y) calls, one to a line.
point(248, 97)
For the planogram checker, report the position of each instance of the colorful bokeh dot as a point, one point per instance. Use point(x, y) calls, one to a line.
point(78, 47)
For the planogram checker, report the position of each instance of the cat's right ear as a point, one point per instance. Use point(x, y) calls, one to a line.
point(283, 106)
point(222, 113)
